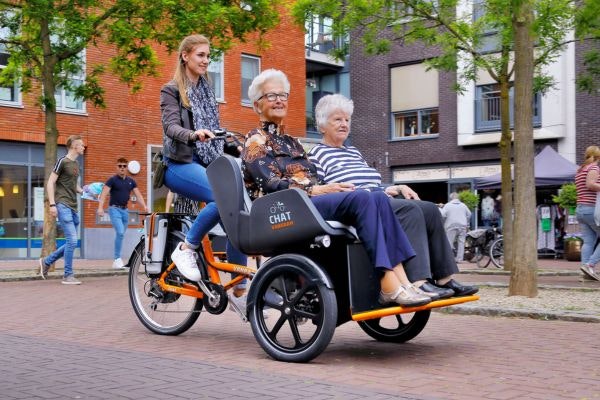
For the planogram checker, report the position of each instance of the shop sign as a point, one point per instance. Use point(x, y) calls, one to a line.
point(416, 175)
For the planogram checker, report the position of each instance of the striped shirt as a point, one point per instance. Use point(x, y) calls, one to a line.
point(585, 195)
point(343, 164)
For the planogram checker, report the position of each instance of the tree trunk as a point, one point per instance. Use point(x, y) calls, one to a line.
point(523, 279)
point(51, 136)
point(505, 162)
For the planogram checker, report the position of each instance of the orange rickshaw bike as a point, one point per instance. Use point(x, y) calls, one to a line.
point(316, 276)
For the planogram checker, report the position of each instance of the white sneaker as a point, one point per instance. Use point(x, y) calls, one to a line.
point(404, 296)
point(186, 262)
point(118, 264)
point(239, 303)
point(589, 271)
point(70, 280)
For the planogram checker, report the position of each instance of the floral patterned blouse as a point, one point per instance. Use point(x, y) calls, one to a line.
point(273, 161)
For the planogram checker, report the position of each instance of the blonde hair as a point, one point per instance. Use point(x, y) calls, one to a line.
point(592, 154)
point(329, 104)
point(180, 77)
point(255, 91)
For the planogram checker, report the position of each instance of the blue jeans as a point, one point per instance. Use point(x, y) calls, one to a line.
point(69, 221)
point(190, 180)
point(119, 217)
point(590, 232)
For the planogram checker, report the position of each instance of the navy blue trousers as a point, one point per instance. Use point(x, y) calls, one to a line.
point(372, 216)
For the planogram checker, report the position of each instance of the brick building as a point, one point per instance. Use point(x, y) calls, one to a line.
point(412, 126)
point(128, 127)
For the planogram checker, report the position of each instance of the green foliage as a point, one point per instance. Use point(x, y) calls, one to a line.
point(471, 199)
point(588, 29)
point(567, 196)
point(45, 38)
point(452, 28)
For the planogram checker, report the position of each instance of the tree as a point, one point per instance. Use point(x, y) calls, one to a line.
point(458, 32)
point(45, 40)
point(525, 251)
point(588, 29)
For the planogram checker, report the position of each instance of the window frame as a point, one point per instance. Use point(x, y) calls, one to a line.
point(63, 93)
point(218, 85)
point(245, 100)
point(494, 125)
point(16, 94)
point(420, 131)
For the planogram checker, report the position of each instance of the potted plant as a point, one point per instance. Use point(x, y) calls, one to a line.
point(572, 243)
point(470, 199)
point(567, 197)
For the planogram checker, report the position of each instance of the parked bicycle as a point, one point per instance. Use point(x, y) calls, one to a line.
point(477, 246)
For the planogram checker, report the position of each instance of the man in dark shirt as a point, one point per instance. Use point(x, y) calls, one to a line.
point(120, 187)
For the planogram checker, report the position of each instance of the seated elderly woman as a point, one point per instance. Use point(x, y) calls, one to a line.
point(275, 161)
point(433, 268)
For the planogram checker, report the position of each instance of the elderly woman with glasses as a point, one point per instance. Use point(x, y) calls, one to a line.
point(273, 161)
point(433, 268)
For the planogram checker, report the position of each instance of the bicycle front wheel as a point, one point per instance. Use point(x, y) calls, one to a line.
point(497, 253)
point(161, 312)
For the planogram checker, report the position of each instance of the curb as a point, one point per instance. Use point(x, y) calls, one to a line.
point(20, 276)
point(508, 312)
point(507, 273)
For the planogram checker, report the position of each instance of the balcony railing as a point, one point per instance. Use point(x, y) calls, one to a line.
point(487, 113)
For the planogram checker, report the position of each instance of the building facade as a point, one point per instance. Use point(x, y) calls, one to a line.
point(128, 127)
point(415, 129)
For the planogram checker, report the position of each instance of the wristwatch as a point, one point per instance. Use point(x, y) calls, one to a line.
point(51, 205)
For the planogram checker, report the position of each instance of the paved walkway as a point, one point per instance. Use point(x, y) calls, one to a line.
point(85, 342)
point(564, 294)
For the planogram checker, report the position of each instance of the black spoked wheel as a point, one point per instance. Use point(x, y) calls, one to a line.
point(293, 315)
point(398, 328)
point(497, 253)
point(161, 312)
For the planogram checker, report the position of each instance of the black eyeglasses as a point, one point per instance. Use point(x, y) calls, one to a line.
point(274, 96)
point(122, 165)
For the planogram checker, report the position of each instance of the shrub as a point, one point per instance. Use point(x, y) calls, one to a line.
point(471, 199)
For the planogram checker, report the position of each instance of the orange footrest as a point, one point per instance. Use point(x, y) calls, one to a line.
point(385, 312)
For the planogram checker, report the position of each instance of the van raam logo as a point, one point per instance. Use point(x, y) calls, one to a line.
point(279, 218)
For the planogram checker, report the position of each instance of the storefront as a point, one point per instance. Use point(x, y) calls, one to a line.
point(22, 200)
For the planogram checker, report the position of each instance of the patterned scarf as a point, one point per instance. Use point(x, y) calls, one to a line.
point(206, 116)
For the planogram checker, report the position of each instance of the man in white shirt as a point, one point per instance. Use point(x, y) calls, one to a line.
point(456, 221)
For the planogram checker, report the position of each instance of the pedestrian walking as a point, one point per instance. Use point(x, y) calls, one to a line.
point(587, 182)
point(119, 186)
point(62, 189)
point(456, 220)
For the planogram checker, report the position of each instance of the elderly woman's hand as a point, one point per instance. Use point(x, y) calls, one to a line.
point(406, 192)
point(332, 188)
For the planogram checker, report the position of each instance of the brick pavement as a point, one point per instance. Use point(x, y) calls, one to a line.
point(85, 342)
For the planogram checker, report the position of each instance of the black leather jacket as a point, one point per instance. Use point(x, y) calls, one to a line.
point(178, 125)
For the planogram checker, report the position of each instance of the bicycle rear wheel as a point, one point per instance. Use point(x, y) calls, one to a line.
point(161, 312)
point(497, 253)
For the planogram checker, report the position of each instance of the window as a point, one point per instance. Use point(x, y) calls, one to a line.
point(414, 100)
point(416, 123)
point(9, 88)
point(9, 91)
point(250, 69)
point(489, 42)
point(215, 73)
point(65, 97)
point(487, 108)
